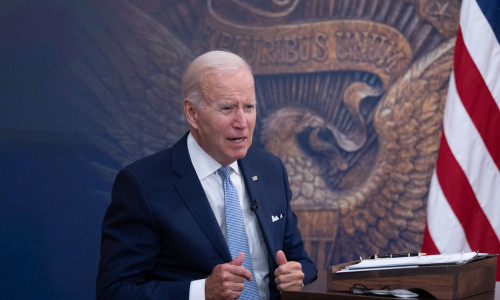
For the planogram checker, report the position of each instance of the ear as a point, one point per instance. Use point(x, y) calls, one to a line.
point(191, 112)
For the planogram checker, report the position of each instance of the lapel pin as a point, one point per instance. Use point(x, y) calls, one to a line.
point(255, 178)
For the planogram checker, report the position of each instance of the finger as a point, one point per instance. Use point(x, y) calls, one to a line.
point(238, 260)
point(280, 258)
point(289, 280)
point(218, 286)
point(242, 271)
point(294, 276)
point(289, 267)
point(289, 285)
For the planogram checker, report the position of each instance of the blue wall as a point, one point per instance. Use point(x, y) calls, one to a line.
point(51, 201)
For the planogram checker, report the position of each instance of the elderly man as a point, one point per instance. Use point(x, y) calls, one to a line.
point(210, 217)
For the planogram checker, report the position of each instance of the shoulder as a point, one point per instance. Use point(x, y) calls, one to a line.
point(161, 167)
point(264, 161)
point(256, 154)
point(162, 161)
point(151, 163)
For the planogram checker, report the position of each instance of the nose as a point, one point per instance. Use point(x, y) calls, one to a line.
point(240, 119)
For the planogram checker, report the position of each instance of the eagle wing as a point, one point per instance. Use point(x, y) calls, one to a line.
point(390, 215)
point(385, 212)
point(132, 66)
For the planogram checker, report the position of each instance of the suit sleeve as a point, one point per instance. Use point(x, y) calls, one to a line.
point(129, 247)
point(293, 246)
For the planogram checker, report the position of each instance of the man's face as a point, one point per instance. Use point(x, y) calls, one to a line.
point(224, 125)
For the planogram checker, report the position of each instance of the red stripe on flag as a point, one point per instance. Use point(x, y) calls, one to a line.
point(428, 245)
point(463, 202)
point(471, 88)
point(477, 99)
point(461, 198)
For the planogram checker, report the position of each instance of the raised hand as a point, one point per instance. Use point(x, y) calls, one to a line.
point(289, 274)
point(227, 280)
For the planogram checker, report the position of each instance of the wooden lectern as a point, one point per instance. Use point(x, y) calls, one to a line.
point(474, 280)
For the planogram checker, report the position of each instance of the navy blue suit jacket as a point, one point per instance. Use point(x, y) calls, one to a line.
point(159, 232)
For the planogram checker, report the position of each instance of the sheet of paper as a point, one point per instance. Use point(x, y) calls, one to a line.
point(414, 261)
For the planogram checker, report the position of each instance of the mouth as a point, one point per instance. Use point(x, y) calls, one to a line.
point(236, 140)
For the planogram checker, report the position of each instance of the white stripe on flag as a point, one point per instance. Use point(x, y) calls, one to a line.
point(483, 48)
point(470, 143)
point(472, 155)
point(443, 225)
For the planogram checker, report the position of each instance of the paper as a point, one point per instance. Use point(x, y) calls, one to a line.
point(410, 262)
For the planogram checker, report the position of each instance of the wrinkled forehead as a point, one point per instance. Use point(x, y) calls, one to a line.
point(228, 83)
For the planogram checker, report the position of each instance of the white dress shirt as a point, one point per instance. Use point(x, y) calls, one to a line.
point(206, 169)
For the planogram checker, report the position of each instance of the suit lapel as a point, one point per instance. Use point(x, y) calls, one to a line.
point(194, 197)
point(257, 193)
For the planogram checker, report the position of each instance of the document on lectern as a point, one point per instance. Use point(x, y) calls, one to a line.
point(444, 276)
point(410, 262)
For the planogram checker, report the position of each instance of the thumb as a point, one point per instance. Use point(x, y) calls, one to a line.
point(280, 258)
point(238, 260)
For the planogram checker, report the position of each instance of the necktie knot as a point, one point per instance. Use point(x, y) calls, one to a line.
point(224, 172)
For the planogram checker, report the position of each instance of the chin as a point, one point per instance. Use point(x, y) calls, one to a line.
point(239, 155)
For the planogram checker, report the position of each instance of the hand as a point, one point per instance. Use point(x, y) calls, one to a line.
point(288, 274)
point(226, 280)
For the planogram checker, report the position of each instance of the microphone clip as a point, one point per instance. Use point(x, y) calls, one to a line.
point(254, 205)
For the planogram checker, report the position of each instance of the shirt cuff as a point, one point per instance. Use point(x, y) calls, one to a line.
point(197, 289)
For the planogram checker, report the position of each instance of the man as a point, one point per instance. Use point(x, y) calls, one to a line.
point(165, 234)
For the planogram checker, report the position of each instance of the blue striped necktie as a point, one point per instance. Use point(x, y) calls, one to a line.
point(236, 233)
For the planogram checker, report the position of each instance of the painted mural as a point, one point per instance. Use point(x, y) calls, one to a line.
point(350, 96)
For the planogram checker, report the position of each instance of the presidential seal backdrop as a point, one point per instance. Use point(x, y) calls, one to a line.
point(350, 96)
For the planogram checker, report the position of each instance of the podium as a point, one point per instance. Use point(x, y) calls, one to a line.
point(474, 280)
point(448, 281)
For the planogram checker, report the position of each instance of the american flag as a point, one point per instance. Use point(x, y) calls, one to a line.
point(464, 198)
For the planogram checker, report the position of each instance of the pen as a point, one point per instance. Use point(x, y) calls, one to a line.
point(397, 255)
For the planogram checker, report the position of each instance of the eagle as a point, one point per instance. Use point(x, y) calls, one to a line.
point(359, 177)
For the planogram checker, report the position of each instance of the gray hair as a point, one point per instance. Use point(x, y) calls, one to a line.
point(217, 61)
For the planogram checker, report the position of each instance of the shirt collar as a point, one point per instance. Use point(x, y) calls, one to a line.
point(203, 163)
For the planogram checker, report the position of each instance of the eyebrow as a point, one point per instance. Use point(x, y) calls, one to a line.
point(232, 102)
